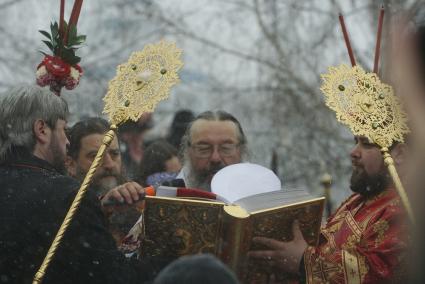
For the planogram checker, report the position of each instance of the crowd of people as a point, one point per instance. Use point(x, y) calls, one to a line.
point(368, 239)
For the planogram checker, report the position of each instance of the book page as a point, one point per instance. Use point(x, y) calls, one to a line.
point(237, 181)
point(272, 199)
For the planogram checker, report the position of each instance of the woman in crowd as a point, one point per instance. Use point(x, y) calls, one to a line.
point(160, 164)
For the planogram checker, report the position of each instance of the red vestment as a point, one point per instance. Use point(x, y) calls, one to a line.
point(363, 242)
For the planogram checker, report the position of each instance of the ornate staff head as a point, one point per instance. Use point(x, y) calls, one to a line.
point(143, 81)
point(365, 104)
point(368, 106)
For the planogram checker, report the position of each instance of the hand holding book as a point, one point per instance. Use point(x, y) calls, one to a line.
point(285, 256)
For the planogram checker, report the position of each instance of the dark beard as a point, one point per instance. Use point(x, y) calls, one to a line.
point(369, 185)
point(58, 159)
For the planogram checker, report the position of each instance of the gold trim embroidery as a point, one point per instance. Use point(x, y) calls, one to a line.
point(322, 270)
point(351, 268)
point(355, 228)
point(364, 268)
point(380, 228)
point(351, 242)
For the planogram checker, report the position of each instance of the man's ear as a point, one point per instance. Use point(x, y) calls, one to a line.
point(399, 153)
point(71, 166)
point(42, 131)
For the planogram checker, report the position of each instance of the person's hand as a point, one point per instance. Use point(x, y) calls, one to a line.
point(129, 193)
point(285, 256)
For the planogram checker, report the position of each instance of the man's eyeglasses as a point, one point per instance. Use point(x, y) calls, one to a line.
point(205, 150)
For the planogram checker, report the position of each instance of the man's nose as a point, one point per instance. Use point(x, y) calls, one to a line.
point(215, 155)
point(355, 152)
point(107, 162)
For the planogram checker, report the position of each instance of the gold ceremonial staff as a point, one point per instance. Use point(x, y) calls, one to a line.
point(368, 106)
point(137, 88)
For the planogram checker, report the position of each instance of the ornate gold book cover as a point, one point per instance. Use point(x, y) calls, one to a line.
point(176, 227)
point(275, 223)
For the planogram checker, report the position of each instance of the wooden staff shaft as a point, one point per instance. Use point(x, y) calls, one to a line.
point(378, 41)
point(389, 162)
point(347, 40)
point(61, 17)
point(109, 136)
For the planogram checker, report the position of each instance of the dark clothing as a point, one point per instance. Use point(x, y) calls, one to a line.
point(132, 169)
point(34, 199)
point(178, 182)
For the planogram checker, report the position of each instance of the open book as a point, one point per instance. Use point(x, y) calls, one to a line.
point(247, 201)
point(174, 227)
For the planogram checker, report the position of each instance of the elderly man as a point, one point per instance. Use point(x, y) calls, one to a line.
point(85, 140)
point(364, 241)
point(214, 139)
point(35, 197)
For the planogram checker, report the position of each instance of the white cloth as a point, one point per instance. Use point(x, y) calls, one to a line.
point(183, 174)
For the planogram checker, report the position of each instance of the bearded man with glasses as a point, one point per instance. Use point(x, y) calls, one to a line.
point(213, 140)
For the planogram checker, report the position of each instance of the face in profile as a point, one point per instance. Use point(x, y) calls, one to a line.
point(369, 176)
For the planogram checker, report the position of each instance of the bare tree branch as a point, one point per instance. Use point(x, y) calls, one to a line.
point(9, 3)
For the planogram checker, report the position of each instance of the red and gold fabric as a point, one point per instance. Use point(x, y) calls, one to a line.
point(363, 242)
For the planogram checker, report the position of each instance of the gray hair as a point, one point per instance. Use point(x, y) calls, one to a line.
point(217, 115)
point(20, 107)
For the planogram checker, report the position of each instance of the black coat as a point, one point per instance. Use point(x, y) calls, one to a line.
point(34, 199)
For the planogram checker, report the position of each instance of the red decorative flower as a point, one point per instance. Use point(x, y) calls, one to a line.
point(61, 69)
point(70, 83)
point(56, 66)
point(57, 73)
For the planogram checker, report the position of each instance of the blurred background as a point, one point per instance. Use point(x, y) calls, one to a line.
point(261, 60)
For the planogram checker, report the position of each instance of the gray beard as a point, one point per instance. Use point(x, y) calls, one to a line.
point(199, 180)
point(100, 185)
point(193, 180)
point(103, 186)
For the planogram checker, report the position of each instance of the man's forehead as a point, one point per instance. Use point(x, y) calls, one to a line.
point(94, 140)
point(211, 131)
point(363, 138)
